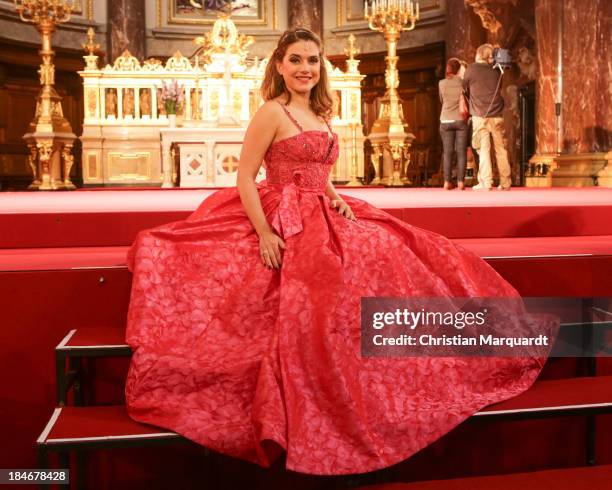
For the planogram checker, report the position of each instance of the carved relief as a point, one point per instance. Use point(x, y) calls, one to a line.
point(161, 107)
point(491, 13)
point(527, 63)
point(111, 102)
point(33, 163)
point(92, 103)
point(128, 102)
point(45, 151)
point(145, 102)
point(68, 162)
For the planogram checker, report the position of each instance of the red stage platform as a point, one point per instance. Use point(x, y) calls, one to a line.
point(62, 266)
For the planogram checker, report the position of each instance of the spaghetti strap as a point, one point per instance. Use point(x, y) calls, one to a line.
point(297, 124)
point(329, 127)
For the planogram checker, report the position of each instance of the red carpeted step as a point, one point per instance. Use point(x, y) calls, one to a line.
point(62, 258)
point(488, 248)
point(563, 395)
point(539, 247)
point(585, 478)
point(114, 217)
point(99, 337)
point(98, 426)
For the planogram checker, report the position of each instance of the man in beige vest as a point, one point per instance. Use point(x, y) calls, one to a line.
point(482, 86)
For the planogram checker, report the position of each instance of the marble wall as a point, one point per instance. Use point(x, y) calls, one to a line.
point(126, 28)
point(306, 13)
point(464, 31)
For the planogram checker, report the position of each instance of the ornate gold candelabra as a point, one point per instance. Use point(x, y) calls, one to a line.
point(390, 136)
point(50, 137)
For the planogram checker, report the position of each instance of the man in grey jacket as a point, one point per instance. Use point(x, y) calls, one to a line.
point(482, 86)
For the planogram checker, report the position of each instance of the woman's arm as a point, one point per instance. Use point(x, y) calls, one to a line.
point(259, 136)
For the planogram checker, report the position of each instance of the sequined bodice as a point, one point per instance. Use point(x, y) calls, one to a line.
point(304, 159)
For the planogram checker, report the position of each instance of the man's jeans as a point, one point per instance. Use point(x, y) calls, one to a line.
point(484, 128)
point(454, 137)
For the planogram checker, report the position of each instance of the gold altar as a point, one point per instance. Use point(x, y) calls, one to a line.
point(124, 115)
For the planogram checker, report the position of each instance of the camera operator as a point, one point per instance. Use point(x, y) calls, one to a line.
point(482, 84)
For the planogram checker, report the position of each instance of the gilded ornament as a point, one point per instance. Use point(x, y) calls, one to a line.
point(126, 62)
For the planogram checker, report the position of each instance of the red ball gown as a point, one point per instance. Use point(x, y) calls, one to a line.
point(248, 361)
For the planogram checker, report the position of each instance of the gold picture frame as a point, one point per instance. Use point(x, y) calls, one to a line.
point(247, 12)
point(77, 7)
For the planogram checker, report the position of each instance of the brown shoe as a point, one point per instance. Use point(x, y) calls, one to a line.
point(448, 186)
point(460, 186)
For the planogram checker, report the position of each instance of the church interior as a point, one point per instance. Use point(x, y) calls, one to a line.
point(92, 152)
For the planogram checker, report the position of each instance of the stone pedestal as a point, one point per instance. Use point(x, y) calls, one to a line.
point(579, 170)
point(604, 176)
point(539, 173)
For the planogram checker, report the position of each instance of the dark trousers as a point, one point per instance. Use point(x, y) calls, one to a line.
point(454, 138)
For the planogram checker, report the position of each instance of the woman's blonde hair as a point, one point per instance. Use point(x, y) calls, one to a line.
point(273, 84)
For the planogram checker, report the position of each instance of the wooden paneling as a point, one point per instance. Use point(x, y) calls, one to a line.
point(420, 69)
point(19, 86)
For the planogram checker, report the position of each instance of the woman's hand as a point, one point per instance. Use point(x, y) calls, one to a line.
point(270, 245)
point(343, 208)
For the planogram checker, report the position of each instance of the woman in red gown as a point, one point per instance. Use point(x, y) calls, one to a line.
point(245, 318)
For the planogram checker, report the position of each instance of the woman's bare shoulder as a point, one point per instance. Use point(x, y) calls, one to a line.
point(265, 122)
point(270, 108)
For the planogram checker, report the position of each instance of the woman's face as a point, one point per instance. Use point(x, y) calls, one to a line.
point(301, 67)
point(461, 71)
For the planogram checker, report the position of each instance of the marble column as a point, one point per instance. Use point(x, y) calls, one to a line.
point(603, 136)
point(546, 16)
point(465, 31)
point(585, 115)
point(126, 28)
point(581, 66)
point(306, 13)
